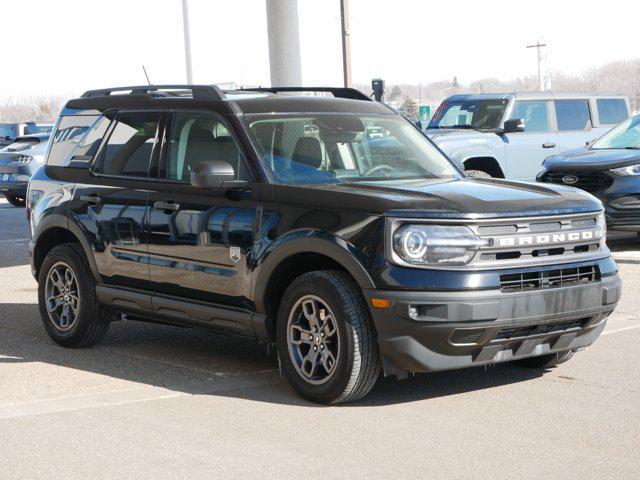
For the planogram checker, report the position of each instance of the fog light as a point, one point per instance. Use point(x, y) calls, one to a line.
point(413, 312)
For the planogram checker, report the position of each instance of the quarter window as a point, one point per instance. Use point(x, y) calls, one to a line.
point(198, 137)
point(535, 115)
point(572, 115)
point(130, 145)
point(70, 130)
point(89, 143)
point(612, 111)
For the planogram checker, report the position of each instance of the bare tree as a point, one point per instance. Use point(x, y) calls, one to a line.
point(23, 109)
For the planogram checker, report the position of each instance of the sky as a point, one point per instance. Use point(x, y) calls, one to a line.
point(64, 47)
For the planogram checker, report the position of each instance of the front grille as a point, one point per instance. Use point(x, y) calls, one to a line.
point(541, 329)
point(591, 181)
point(539, 241)
point(562, 277)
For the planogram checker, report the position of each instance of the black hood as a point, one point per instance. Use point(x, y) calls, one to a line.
point(592, 159)
point(468, 197)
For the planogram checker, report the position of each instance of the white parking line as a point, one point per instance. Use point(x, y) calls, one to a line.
point(620, 330)
point(14, 240)
point(144, 393)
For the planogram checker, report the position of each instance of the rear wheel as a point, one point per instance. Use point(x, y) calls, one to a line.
point(326, 340)
point(546, 361)
point(66, 295)
point(16, 200)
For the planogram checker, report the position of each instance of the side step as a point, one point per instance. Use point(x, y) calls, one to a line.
point(178, 311)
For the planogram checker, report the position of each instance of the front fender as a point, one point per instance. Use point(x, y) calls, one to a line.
point(307, 241)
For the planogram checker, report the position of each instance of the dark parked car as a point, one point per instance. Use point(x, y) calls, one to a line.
point(609, 168)
point(18, 161)
point(275, 216)
point(10, 131)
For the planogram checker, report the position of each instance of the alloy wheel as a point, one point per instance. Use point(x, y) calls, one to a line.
point(62, 297)
point(313, 339)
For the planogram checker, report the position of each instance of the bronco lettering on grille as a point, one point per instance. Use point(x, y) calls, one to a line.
point(545, 239)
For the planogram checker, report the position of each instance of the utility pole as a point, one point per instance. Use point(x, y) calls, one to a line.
point(346, 42)
point(539, 47)
point(187, 41)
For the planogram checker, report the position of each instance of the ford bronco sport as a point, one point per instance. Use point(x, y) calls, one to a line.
point(273, 214)
point(510, 135)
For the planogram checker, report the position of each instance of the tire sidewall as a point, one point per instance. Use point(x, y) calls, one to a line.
point(86, 290)
point(325, 290)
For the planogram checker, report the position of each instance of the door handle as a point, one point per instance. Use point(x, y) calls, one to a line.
point(168, 206)
point(91, 199)
point(548, 145)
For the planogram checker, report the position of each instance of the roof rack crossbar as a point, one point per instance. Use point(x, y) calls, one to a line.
point(339, 92)
point(199, 92)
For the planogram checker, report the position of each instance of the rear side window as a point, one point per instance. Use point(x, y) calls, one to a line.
point(612, 111)
point(70, 131)
point(535, 115)
point(130, 146)
point(572, 115)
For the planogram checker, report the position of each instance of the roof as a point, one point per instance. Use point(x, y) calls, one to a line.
point(539, 95)
point(243, 101)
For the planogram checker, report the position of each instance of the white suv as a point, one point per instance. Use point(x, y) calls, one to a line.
point(509, 135)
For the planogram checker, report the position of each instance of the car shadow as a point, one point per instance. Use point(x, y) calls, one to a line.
point(184, 359)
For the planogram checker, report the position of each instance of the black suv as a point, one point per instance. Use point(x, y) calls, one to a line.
point(327, 224)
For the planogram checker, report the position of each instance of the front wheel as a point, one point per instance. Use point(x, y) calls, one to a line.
point(326, 341)
point(16, 200)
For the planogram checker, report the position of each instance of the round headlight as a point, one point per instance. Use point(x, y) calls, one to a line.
point(414, 243)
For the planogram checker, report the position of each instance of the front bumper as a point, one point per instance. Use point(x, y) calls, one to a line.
point(621, 201)
point(469, 328)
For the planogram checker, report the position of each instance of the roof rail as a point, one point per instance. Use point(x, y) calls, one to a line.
point(199, 92)
point(339, 92)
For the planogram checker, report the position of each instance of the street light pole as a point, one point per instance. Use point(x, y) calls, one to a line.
point(187, 41)
point(346, 42)
point(539, 46)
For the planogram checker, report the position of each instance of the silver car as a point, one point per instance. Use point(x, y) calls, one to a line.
point(509, 135)
point(18, 161)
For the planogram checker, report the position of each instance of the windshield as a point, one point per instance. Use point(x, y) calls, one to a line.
point(476, 114)
point(625, 135)
point(333, 148)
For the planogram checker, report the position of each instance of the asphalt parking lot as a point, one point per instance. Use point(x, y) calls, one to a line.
point(154, 401)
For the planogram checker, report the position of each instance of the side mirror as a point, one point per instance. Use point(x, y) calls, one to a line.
point(215, 174)
point(514, 125)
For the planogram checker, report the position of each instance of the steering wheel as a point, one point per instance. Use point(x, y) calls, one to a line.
point(378, 168)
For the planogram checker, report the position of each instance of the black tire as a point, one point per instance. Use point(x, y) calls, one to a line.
point(477, 174)
point(16, 200)
point(545, 361)
point(89, 325)
point(358, 363)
